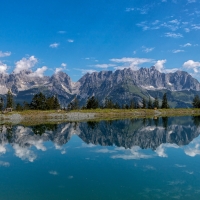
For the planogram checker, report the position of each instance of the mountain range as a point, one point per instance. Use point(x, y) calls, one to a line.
point(121, 86)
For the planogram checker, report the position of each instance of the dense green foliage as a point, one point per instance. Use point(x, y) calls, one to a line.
point(92, 103)
point(41, 102)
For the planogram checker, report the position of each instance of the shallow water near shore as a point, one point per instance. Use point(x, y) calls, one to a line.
point(123, 159)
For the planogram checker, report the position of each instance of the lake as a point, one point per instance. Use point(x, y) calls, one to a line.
point(123, 159)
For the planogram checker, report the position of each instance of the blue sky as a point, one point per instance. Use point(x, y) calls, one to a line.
point(93, 35)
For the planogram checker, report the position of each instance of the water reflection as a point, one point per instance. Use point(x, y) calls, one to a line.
point(128, 136)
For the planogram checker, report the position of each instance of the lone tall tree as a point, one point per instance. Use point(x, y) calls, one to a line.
point(9, 103)
point(165, 102)
point(196, 102)
point(1, 104)
point(156, 103)
point(143, 103)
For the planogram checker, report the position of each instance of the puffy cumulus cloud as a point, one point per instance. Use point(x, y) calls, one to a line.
point(132, 63)
point(190, 64)
point(2, 149)
point(173, 35)
point(162, 148)
point(25, 64)
point(39, 72)
point(24, 153)
point(59, 69)
point(159, 65)
point(3, 68)
point(54, 45)
point(64, 65)
point(4, 54)
point(193, 149)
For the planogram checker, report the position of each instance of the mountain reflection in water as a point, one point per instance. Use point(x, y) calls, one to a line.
point(131, 133)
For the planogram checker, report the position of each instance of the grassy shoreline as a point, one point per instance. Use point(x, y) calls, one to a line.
point(38, 116)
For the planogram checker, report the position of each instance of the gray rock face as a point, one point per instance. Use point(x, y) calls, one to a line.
point(121, 85)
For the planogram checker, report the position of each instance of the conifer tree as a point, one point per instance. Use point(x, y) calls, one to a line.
point(143, 103)
point(92, 103)
point(156, 103)
point(196, 102)
point(165, 102)
point(150, 106)
point(10, 102)
point(1, 103)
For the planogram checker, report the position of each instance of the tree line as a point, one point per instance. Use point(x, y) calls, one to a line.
point(42, 102)
point(38, 102)
point(93, 103)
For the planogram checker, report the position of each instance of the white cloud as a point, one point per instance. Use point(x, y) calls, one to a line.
point(190, 64)
point(132, 154)
point(187, 30)
point(104, 66)
point(85, 71)
point(25, 64)
point(70, 40)
point(105, 151)
point(196, 26)
point(178, 51)
point(186, 45)
point(162, 148)
point(59, 69)
point(159, 65)
point(64, 65)
point(54, 45)
point(130, 9)
point(62, 68)
point(24, 153)
point(147, 50)
point(4, 164)
point(3, 68)
point(173, 35)
point(174, 21)
point(53, 173)
point(131, 62)
point(4, 54)
point(39, 72)
point(62, 32)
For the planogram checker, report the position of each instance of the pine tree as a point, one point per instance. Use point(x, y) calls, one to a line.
point(92, 103)
point(132, 104)
point(1, 103)
point(156, 103)
point(19, 107)
point(56, 103)
point(143, 103)
point(165, 102)
point(196, 102)
point(10, 102)
point(150, 106)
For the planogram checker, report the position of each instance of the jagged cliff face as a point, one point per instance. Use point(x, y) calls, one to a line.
point(121, 85)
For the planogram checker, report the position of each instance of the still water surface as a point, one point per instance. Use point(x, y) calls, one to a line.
point(123, 159)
